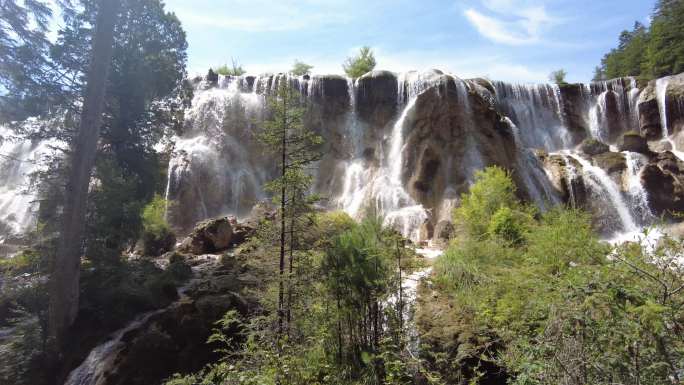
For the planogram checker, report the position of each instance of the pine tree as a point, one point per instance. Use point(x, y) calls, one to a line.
point(296, 146)
point(66, 267)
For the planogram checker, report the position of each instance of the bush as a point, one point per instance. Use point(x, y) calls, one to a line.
point(492, 190)
point(360, 64)
point(157, 235)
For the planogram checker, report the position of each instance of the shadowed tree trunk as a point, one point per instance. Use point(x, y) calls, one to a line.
point(64, 285)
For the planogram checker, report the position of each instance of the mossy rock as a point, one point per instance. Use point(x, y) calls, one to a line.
point(635, 142)
point(610, 162)
point(593, 147)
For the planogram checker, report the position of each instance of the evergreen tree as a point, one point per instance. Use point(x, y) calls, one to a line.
point(66, 267)
point(360, 64)
point(296, 147)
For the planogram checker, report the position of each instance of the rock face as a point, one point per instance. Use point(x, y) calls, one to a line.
point(593, 147)
point(215, 235)
point(407, 145)
point(633, 141)
point(663, 178)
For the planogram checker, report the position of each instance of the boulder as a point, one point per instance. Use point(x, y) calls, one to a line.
point(155, 245)
point(444, 231)
point(663, 179)
point(610, 162)
point(633, 141)
point(593, 147)
point(209, 237)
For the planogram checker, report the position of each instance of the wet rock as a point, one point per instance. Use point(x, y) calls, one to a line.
point(649, 114)
point(610, 162)
point(633, 141)
point(574, 110)
point(444, 231)
point(593, 147)
point(377, 97)
point(663, 179)
point(212, 77)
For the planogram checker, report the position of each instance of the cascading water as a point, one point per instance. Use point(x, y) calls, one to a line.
point(211, 164)
point(602, 183)
point(19, 160)
point(661, 97)
point(637, 194)
point(536, 110)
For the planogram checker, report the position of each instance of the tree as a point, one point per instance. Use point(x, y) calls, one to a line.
point(300, 68)
point(235, 69)
point(296, 146)
point(360, 64)
point(33, 82)
point(66, 269)
point(558, 76)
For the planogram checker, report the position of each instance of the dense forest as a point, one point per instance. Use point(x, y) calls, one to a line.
point(651, 51)
point(511, 276)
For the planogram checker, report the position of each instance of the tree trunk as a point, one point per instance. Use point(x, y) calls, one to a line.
point(66, 266)
point(281, 296)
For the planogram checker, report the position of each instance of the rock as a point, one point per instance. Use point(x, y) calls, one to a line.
point(444, 231)
point(633, 141)
point(593, 147)
point(649, 114)
point(209, 237)
point(573, 110)
point(663, 179)
point(155, 245)
point(212, 77)
point(377, 97)
point(610, 162)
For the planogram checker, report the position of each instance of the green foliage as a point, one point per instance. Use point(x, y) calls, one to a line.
point(360, 64)
point(21, 352)
point(157, 236)
point(558, 76)
point(235, 69)
point(300, 68)
point(649, 52)
point(562, 307)
point(492, 190)
point(26, 261)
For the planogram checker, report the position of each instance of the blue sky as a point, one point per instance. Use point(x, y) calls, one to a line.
point(513, 40)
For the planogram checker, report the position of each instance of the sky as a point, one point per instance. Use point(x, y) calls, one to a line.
point(511, 40)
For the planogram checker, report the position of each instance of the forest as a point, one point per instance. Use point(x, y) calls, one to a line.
point(228, 227)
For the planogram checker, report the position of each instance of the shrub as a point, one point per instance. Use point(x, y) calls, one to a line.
point(493, 189)
point(157, 235)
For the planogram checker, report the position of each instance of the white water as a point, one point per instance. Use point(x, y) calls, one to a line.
point(600, 181)
point(661, 97)
point(19, 160)
point(638, 195)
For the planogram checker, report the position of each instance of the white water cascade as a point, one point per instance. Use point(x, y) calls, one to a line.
point(600, 181)
point(19, 160)
point(661, 96)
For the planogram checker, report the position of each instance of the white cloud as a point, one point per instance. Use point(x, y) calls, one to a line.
point(512, 22)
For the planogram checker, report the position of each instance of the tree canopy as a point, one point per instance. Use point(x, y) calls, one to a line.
point(360, 64)
point(649, 52)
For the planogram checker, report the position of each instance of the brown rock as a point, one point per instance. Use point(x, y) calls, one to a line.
point(633, 141)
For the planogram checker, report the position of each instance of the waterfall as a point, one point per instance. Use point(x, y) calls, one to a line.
point(570, 177)
point(661, 97)
point(638, 195)
point(20, 159)
point(537, 111)
point(604, 185)
point(530, 169)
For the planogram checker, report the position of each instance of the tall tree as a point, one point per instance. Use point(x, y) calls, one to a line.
point(66, 268)
point(295, 144)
